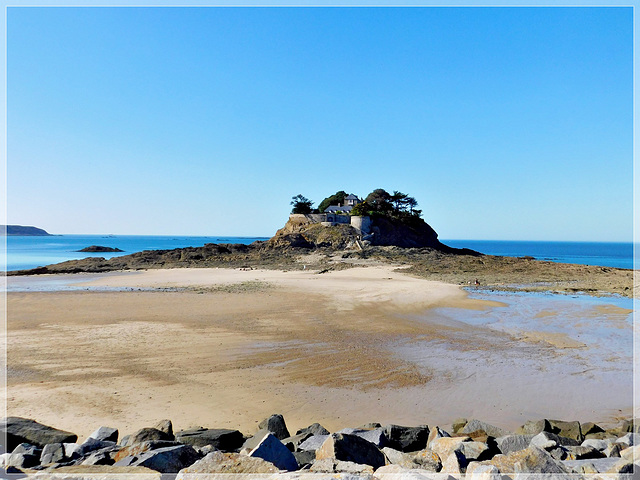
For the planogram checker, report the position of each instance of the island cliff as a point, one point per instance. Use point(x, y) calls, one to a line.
point(15, 230)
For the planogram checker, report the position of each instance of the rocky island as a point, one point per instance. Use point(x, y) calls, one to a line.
point(379, 229)
point(99, 249)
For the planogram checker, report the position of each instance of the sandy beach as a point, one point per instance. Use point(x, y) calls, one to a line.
point(228, 347)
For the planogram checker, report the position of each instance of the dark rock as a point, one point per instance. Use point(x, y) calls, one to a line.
point(407, 439)
point(276, 425)
point(105, 433)
point(377, 436)
point(273, 450)
point(351, 448)
point(226, 463)
point(582, 453)
point(164, 460)
point(253, 441)
point(98, 458)
point(91, 444)
point(147, 435)
point(567, 429)
point(223, 439)
point(52, 453)
point(314, 429)
point(304, 458)
point(99, 249)
point(23, 430)
point(27, 448)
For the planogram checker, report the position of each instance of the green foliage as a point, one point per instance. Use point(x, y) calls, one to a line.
point(380, 202)
point(301, 204)
point(338, 197)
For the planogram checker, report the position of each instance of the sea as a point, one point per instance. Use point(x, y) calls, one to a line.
point(24, 252)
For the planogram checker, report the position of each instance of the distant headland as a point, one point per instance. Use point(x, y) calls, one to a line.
point(16, 230)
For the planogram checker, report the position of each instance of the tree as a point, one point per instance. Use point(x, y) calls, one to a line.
point(336, 199)
point(380, 200)
point(301, 204)
point(399, 200)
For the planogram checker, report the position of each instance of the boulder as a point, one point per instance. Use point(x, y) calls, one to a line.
point(314, 429)
point(567, 429)
point(458, 424)
point(377, 436)
point(164, 460)
point(581, 452)
point(72, 450)
point(546, 440)
point(396, 457)
point(631, 453)
point(492, 430)
point(22, 460)
point(407, 439)
point(597, 444)
point(454, 464)
point(276, 425)
point(164, 426)
point(630, 439)
point(313, 443)
point(138, 448)
point(513, 443)
point(227, 463)
point(351, 448)
point(105, 433)
point(273, 450)
point(480, 471)
point(98, 458)
point(475, 451)
point(23, 430)
point(590, 428)
point(220, 438)
point(533, 427)
point(331, 465)
point(614, 449)
point(436, 432)
point(251, 442)
point(294, 441)
point(444, 446)
point(52, 453)
point(530, 460)
point(91, 444)
point(147, 435)
point(427, 460)
point(305, 458)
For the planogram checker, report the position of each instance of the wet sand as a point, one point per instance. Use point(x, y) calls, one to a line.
point(226, 348)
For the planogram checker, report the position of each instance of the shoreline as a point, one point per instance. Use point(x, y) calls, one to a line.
point(236, 345)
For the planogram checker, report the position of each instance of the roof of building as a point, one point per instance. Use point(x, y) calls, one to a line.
point(351, 196)
point(337, 208)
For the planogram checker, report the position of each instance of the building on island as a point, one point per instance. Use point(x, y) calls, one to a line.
point(350, 201)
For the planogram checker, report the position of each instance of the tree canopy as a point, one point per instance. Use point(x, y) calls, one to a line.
point(337, 198)
point(381, 202)
point(301, 204)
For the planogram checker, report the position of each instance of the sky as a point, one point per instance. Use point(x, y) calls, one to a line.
point(503, 123)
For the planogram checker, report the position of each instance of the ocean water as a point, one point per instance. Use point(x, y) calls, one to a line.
point(604, 254)
point(30, 252)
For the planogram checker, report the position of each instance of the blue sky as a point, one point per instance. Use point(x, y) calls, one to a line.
point(504, 123)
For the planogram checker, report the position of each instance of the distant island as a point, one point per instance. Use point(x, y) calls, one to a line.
point(99, 249)
point(15, 230)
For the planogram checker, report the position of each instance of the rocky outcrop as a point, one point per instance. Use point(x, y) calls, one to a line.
point(99, 249)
